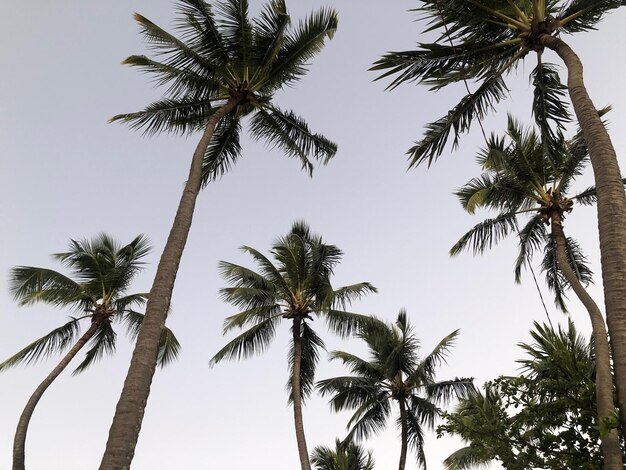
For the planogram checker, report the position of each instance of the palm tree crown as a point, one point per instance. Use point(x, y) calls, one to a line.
point(483, 41)
point(294, 287)
point(101, 272)
point(232, 58)
point(522, 176)
point(345, 456)
point(394, 374)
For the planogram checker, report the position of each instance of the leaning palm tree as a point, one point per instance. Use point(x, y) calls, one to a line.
point(345, 456)
point(103, 271)
point(394, 374)
point(483, 41)
point(293, 288)
point(219, 71)
point(522, 176)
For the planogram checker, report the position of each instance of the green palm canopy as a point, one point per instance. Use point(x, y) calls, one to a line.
point(394, 374)
point(101, 273)
point(296, 287)
point(345, 456)
point(220, 71)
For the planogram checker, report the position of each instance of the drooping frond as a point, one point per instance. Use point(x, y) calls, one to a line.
point(370, 418)
point(554, 277)
point(345, 323)
point(103, 342)
point(458, 119)
point(169, 347)
point(485, 234)
point(255, 340)
point(532, 237)
point(57, 341)
point(549, 106)
point(444, 391)
point(223, 151)
point(584, 15)
point(29, 285)
point(311, 346)
point(415, 437)
point(176, 115)
point(291, 134)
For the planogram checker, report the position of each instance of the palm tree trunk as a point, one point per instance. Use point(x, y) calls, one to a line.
point(611, 212)
point(19, 442)
point(126, 425)
point(404, 434)
point(611, 450)
point(297, 397)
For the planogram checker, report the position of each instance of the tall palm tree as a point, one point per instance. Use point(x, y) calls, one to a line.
point(293, 288)
point(103, 271)
point(296, 286)
point(345, 456)
point(523, 176)
point(394, 374)
point(219, 71)
point(484, 40)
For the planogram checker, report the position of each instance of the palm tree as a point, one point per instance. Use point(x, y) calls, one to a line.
point(394, 374)
point(293, 288)
point(345, 456)
point(219, 71)
point(483, 41)
point(524, 176)
point(103, 271)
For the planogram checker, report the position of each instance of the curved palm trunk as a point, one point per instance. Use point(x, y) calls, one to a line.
point(611, 450)
point(297, 397)
point(126, 425)
point(404, 434)
point(19, 442)
point(611, 212)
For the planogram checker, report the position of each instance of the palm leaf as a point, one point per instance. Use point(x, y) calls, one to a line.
point(29, 285)
point(103, 342)
point(223, 151)
point(57, 341)
point(485, 234)
point(311, 345)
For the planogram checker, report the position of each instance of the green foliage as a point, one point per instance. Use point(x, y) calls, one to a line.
point(394, 374)
point(545, 418)
point(295, 286)
point(345, 456)
point(101, 272)
point(482, 41)
point(219, 55)
point(525, 176)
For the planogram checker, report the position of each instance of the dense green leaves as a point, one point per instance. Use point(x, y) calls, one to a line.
point(394, 374)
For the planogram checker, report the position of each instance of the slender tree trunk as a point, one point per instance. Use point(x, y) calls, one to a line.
point(126, 425)
point(19, 442)
point(611, 212)
point(611, 450)
point(404, 434)
point(297, 397)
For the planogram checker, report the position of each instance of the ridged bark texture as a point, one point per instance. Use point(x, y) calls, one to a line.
point(19, 442)
point(303, 452)
point(611, 212)
point(126, 425)
point(611, 450)
point(404, 434)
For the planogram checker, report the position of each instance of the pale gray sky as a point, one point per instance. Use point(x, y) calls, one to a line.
point(67, 173)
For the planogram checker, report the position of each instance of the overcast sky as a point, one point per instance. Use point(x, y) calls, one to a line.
point(67, 173)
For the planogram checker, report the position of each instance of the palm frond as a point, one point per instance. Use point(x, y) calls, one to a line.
point(459, 119)
point(29, 285)
point(236, 31)
point(446, 390)
point(532, 237)
point(311, 345)
point(465, 458)
point(223, 151)
point(103, 342)
point(425, 370)
point(255, 340)
point(57, 341)
point(549, 105)
point(169, 347)
point(370, 418)
point(485, 234)
point(584, 15)
point(415, 438)
point(291, 134)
